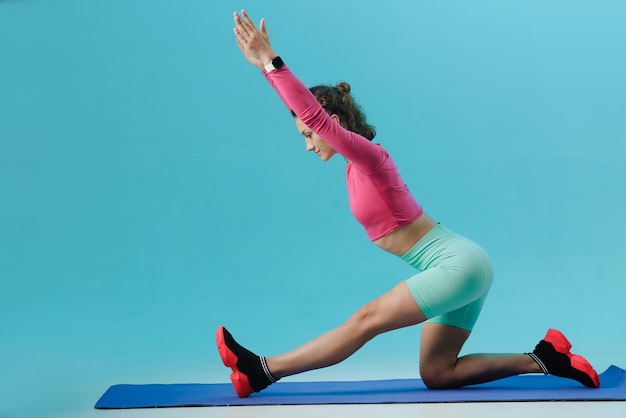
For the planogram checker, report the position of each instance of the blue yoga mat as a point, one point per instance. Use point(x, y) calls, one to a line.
point(517, 388)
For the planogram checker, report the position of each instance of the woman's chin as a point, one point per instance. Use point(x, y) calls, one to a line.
point(326, 157)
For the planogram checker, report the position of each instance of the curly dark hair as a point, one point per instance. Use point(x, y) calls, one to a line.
point(338, 100)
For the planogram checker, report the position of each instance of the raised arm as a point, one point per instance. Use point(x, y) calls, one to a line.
point(256, 48)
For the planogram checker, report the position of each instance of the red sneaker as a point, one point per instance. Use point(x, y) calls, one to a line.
point(230, 359)
point(554, 356)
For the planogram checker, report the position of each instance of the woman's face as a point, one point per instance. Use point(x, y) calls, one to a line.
point(314, 142)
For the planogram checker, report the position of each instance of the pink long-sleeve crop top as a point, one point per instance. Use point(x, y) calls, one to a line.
point(379, 199)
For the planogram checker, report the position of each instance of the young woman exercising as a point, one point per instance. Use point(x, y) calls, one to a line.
point(447, 295)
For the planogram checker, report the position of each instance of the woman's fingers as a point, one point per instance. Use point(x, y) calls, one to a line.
point(238, 39)
point(247, 21)
point(240, 28)
point(244, 24)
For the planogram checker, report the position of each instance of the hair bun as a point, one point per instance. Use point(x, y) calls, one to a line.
point(343, 87)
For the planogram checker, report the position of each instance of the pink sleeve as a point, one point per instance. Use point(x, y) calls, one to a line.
point(301, 101)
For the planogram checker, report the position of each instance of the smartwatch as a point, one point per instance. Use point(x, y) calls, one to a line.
point(276, 64)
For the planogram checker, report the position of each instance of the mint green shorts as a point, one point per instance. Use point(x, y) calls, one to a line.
point(455, 277)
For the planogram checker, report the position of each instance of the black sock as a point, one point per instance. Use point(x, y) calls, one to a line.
point(248, 363)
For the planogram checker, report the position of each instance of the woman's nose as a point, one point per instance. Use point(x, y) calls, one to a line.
point(309, 146)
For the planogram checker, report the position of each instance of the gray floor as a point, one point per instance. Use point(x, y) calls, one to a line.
point(484, 410)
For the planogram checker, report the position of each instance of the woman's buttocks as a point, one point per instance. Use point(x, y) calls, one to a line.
point(441, 247)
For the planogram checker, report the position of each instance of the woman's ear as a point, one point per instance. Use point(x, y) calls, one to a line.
point(336, 118)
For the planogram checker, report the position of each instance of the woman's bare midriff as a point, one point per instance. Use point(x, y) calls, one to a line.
point(404, 238)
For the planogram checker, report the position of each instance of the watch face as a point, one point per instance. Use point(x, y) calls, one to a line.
point(277, 62)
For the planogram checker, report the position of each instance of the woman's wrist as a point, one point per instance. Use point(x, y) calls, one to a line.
point(267, 58)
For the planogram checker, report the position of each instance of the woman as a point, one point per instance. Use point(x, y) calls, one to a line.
point(455, 275)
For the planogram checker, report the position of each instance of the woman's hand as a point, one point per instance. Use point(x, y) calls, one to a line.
point(254, 44)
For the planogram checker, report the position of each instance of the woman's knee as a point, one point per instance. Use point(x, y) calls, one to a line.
point(364, 320)
point(395, 309)
point(434, 378)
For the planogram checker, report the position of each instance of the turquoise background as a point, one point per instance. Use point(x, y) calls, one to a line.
point(153, 186)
